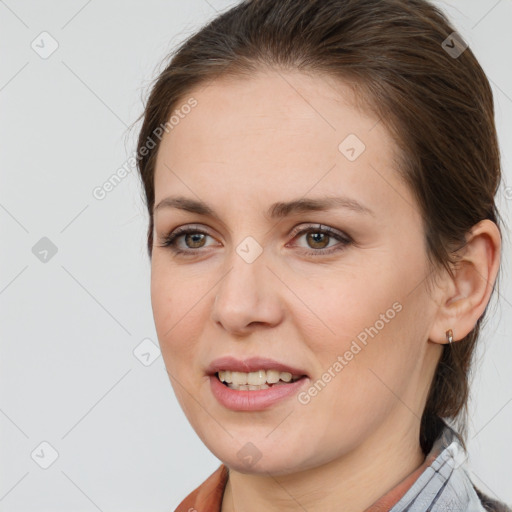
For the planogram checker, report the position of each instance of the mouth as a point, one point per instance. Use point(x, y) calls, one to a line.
point(254, 373)
point(256, 380)
point(254, 383)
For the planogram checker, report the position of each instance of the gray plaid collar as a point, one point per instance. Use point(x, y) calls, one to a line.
point(445, 485)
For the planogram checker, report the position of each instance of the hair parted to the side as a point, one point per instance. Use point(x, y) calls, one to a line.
point(439, 109)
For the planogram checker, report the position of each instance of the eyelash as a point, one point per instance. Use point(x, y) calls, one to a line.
point(171, 239)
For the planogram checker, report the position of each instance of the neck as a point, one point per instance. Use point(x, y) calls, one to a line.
point(350, 483)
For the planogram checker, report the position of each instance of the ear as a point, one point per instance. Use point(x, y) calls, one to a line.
point(463, 299)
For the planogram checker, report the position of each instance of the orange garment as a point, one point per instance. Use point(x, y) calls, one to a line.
point(208, 496)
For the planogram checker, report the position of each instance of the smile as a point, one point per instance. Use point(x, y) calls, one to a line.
point(254, 381)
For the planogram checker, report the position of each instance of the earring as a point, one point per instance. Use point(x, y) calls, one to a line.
point(449, 335)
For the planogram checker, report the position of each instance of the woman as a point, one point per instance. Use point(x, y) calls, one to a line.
point(320, 179)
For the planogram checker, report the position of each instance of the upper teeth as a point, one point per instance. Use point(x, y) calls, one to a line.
point(256, 378)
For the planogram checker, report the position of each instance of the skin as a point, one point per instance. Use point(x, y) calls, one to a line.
point(274, 137)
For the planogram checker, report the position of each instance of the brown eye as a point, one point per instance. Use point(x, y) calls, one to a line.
point(318, 240)
point(196, 239)
point(193, 238)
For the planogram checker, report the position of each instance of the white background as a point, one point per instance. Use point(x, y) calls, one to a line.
point(68, 374)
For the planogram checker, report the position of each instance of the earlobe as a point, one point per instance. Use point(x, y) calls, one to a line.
point(468, 292)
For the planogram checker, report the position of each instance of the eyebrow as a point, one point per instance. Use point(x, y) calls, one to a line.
point(277, 210)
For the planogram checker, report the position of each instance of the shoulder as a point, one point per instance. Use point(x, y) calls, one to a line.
point(207, 497)
point(490, 504)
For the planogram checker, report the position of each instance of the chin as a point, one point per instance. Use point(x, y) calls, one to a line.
point(267, 467)
point(260, 458)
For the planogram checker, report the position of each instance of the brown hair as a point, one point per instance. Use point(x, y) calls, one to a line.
point(438, 107)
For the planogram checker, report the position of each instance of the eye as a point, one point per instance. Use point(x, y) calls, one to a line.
point(318, 237)
point(194, 236)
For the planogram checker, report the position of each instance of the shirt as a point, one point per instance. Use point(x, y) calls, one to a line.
point(440, 484)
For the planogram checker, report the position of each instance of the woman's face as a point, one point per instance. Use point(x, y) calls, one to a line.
point(348, 309)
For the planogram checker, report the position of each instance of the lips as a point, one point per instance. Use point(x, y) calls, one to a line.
point(252, 364)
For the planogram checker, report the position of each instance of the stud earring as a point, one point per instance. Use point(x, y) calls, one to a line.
point(449, 335)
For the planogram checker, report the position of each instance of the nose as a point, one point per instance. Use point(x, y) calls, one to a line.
point(248, 295)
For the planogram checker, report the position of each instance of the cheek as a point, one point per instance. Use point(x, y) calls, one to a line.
point(379, 354)
point(348, 306)
point(177, 306)
point(362, 329)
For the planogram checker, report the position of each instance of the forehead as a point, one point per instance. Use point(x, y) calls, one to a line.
point(270, 107)
point(275, 135)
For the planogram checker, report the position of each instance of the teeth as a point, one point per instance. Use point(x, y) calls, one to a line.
point(272, 376)
point(248, 387)
point(239, 378)
point(287, 377)
point(257, 380)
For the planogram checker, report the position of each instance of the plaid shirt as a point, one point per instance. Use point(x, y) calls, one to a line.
point(445, 486)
